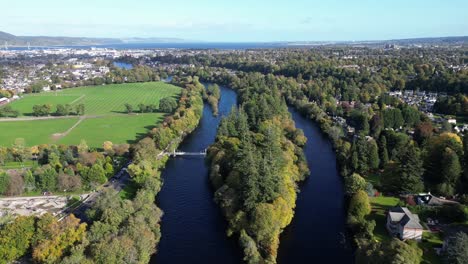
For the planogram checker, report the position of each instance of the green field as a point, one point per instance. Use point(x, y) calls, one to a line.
point(104, 117)
point(34, 132)
point(99, 100)
point(118, 129)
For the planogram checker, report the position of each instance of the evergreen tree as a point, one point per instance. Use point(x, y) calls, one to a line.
point(457, 249)
point(450, 171)
point(405, 176)
point(373, 151)
point(383, 151)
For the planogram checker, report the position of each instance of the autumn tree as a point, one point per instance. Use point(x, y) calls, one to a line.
point(16, 238)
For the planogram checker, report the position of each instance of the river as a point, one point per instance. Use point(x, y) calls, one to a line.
point(194, 230)
point(317, 231)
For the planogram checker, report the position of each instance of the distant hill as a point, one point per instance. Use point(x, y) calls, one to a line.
point(13, 40)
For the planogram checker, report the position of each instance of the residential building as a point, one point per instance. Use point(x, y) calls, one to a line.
point(403, 224)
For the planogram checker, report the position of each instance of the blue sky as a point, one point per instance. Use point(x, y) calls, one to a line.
point(239, 20)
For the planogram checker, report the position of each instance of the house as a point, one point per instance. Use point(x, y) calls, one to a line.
point(403, 224)
point(452, 121)
point(430, 200)
point(4, 100)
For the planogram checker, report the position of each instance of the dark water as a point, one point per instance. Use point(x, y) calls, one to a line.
point(317, 232)
point(193, 228)
point(123, 65)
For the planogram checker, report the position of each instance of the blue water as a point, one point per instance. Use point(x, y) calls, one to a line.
point(194, 45)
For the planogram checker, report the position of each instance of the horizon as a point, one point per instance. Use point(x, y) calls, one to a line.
point(260, 21)
point(182, 40)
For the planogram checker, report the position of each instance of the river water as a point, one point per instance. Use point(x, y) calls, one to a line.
point(317, 232)
point(193, 228)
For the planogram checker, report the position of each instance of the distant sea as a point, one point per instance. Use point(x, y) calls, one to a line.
point(200, 45)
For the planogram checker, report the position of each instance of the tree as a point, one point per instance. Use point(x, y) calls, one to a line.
point(359, 206)
point(20, 150)
point(383, 151)
point(404, 175)
point(393, 252)
point(15, 185)
point(142, 108)
point(108, 147)
point(96, 175)
point(80, 109)
point(167, 105)
point(16, 238)
point(4, 182)
point(61, 110)
point(46, 178)
point(376, 125)
point(457, 249)
point(423, 131)
point(354, 183)
point(42, 110)
point(465, 162)
point(373, 155)
point(83, 147)
point(128, 108)
point(440, 152)
point(69, 183)
point(450, 171)
point(56, 238)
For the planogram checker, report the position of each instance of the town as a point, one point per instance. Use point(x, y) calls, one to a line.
point(394, 134)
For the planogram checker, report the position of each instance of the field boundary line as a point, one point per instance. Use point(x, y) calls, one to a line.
point(78, 99)
point(19, 119)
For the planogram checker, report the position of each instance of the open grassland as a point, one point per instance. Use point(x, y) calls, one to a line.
point(118, 129)
point(104, 118)
point(99, 100)
point(34, 132)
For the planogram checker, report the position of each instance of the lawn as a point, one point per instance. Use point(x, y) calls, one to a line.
point(430, 241)
point(17, 165)
point(100, 100)
point(118, 129)
point(34, 132)
point(104, 117)
point(380, 206)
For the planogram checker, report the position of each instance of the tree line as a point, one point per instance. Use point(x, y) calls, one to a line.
point(256, 162)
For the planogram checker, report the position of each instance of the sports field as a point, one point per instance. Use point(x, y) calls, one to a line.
point(104, 117)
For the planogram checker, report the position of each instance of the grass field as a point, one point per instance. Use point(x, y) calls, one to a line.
point(99, 100)
point(104, 117)
point(34, 132)
point(118, 129)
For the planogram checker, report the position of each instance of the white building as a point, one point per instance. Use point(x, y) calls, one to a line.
point(403, 224)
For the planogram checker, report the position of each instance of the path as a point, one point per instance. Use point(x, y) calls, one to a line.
point(78, 99)
point(58, 136)
point(18, 119)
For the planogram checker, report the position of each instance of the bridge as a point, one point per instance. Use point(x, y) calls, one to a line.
point(176, 153)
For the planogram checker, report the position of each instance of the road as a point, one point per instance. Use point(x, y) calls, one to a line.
point(117, 182)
